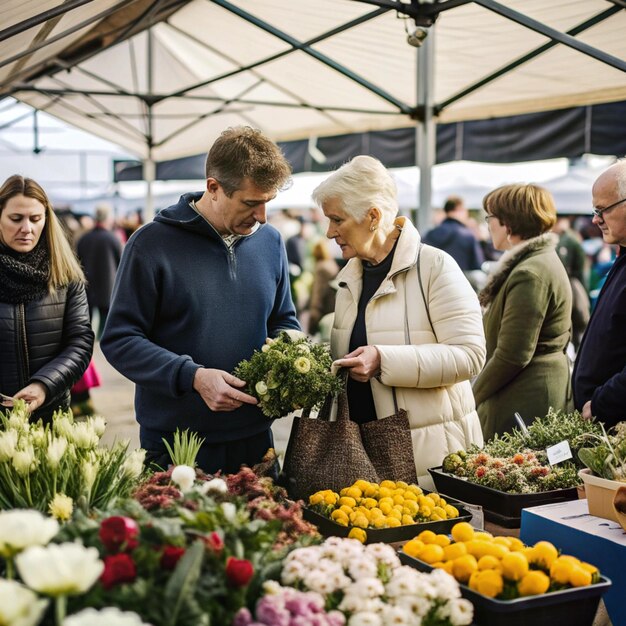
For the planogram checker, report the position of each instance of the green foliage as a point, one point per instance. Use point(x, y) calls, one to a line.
point(186, 447)
point(289, 375)
point(607, 458)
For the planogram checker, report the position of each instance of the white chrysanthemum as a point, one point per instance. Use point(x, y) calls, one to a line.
point(460, 612)
point(339, 580)
point(362, 568)
point(24, 460)
point(8, 444)
point(308, 557)
point(133, 463)
point(318, 581)
point(417, 605)
point(407, 581)
point(184, 476)
point(383, 553)
point(215, 484)
point(302, 364)
point(61, 507)
point(84, 435)
point(56, 449)
point(19, 606)
point(367, 587)
point(22, 528)
point(445, 585)
point(292, 572)
point(399, 616)
point(272, 587)
point(365, 618)
point(60, 569)
point(110, 616)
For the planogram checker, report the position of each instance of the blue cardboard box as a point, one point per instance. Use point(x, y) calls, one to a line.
point(571, 528)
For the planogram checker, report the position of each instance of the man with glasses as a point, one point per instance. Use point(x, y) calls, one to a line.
point(599, 377)
point(197, 291)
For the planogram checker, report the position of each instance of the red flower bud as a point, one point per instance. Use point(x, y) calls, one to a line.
point(170, 556)
point(214, 543)
point(119, 533)
point(118, 569)
point(239, 572)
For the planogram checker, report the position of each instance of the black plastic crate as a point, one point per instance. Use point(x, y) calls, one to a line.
point(573, 607)
point(500, 507)
point(328, 527)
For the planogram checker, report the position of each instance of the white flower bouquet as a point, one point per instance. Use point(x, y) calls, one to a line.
point(288, 375)
point(51, 467)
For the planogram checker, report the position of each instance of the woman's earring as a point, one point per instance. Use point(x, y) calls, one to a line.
point(373, 227)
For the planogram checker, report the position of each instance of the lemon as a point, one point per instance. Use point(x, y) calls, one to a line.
point(515, 544)
point(495, 549)
point(579, 577)
point(454, 551)
point(543, 554)
point(427, 536)
point(561, 570)
point(447, 567)
point(489, 562)
point(463, 567)
point(462, 531)
point(359, 534)
point(442, 540)
point(431, 553)
point(413, 547)
point(514, 566)
point(487, 582)
point(481, 535)
point(533, 584)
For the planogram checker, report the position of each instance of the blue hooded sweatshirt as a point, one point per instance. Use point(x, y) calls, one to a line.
point(183, 300)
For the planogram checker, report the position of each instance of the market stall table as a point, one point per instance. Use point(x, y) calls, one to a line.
point(571, 528)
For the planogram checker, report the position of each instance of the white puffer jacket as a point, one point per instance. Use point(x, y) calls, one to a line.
point(431, 371)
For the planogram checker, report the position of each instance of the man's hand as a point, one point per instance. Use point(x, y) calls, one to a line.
point(362, 363)
point(34, 394)
point(586, 412)
point(219, 390)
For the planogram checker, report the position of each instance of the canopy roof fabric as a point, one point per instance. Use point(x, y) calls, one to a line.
point(297, 68)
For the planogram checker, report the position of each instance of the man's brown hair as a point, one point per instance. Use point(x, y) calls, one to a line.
point(244, 152)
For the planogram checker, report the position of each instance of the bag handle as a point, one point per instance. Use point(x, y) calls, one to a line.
point(342, 401)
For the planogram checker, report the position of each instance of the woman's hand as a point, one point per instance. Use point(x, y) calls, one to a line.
point(34, 394)
point(362, 363)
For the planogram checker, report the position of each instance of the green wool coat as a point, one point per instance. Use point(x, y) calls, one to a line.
point(527, 324)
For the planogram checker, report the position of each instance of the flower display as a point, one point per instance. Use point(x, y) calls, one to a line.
point(20, 529)
point(288, 375)
point(51, 468)
point(368, 585)
point(111, 616)
point(119, 533)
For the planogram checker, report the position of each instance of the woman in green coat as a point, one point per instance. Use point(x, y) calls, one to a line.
point(527, 305)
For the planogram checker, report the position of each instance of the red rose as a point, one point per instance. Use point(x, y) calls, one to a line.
point(214, 543)
point(170, 556)
point(119, 533)
point(238, 571)
point(118, 569)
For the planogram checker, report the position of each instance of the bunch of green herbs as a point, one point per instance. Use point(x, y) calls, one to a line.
point(607, 458)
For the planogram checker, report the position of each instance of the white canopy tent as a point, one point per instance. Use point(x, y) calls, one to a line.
point(162, 78)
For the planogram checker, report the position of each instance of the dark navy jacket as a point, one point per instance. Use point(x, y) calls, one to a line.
point(458, 241)
point(600, 366)
point(182, 300)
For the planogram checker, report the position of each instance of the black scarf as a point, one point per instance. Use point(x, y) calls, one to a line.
point(24, 275)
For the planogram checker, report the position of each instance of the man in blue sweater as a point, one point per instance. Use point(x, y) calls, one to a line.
point(599, 377)
point(198, 290)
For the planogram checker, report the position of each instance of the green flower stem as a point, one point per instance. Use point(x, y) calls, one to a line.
point(60, 608)
point(10, 571)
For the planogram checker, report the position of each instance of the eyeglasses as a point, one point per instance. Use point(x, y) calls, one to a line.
point(488, 217)
point(600, 212)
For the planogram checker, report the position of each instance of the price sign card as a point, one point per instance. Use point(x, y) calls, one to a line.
point(559, 452)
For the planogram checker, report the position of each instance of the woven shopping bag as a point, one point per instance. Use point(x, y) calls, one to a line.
point(325, 455)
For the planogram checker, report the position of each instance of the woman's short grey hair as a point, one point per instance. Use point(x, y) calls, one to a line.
point(620, 177)
point(359, 185)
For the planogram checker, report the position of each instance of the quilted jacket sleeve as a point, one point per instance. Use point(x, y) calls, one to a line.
point(61, 372)
point(458, 353)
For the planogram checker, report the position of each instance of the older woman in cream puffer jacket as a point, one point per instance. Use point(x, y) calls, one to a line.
point(432, 372)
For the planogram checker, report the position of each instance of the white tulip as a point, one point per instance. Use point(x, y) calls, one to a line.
point(184, 476)
point(215, 484)
point(99, 425)
point(110, 616)
point(60, 569)
point(24, 460)
point(63, 427)
point(22, 528)
point(133, 464)
point(84, 435)
point(89, 472)
point(19, 606)
point(18, 420)
point(56, 449)
point(8, 443)
point(38, 436)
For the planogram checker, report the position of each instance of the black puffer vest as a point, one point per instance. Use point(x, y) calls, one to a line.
point(48, 341)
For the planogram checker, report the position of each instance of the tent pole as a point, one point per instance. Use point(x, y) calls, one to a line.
point(149, 166)
point(426, 129)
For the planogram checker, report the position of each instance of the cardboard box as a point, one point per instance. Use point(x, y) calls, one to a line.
point(600, 494)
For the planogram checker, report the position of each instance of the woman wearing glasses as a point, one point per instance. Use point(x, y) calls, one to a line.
point(527, 306)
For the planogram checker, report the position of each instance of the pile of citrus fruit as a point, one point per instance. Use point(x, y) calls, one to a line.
point(386, 505)
point(500, 567)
